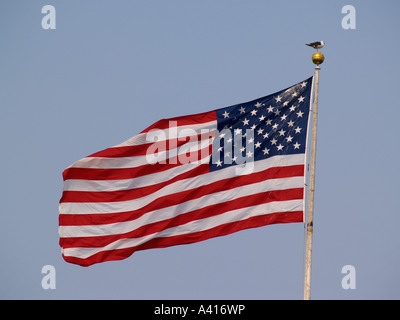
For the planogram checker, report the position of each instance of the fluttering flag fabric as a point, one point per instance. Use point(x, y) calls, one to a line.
point(188, 179)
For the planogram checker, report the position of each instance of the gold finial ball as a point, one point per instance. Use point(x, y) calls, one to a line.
point(318, 58)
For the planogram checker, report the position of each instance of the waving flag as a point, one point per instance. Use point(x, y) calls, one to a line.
point(188, 179)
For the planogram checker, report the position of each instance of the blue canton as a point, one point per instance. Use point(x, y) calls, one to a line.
point(272, 125)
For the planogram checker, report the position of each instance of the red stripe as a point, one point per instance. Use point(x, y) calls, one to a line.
point(180, 219)
point(179, 197)
point(122, 195)
point(130, 173)
point(184, 120)
point(125, 195)
point(142, 149)
point(221, 230)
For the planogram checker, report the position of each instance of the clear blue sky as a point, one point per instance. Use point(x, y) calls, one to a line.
point(112, 68)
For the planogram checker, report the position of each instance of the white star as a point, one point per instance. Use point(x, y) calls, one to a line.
point(266, 151)
point(289, 139)
point(290, 123)
point(301, 99)
point(266, 135)
point(278, 99)
point(253, 112)
point(219, 163)
point(300, 114)
point(234, 159)
point(274, 141)
point(258, 104)
point(242, 110)
point(242, 149)
point(277, 112)
point(270, 109)
point(253, 127)
point(227, 154)
point(249, 154)
point(258, 144)
point(280, 147)
point(220, 149)
point(226, 114)
point(298, 129)
point(303, 84)
point(261, 118)
point(251, 140)
point(260, 131)
point(294, 94)
point(282, 132)
point(222, 135)
point(297, 145)
point(238, 131)
point(269, 121)
point(245, 122)
point(275, 126)
point(285, 103)
point(292, 108)
point(284, 117)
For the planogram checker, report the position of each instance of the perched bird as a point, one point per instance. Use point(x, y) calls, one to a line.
point(316, 45)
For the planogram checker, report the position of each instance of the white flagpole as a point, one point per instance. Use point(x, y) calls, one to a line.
point(317, 58)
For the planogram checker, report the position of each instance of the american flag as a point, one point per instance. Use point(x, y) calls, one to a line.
point(188, 179)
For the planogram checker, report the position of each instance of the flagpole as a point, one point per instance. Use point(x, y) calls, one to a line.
point(317, 58)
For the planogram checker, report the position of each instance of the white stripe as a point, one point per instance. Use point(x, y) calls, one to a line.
point(188, 206)
point(186, 184)
point(127, 184)
point(182, 131)
point(137, 161)
point(193, 226)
